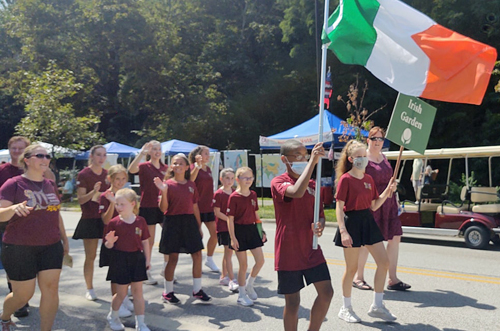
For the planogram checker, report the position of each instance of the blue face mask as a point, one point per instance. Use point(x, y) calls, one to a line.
point(298, 167)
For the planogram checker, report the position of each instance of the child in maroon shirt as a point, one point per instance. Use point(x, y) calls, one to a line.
point(356, 195)
point(295, 259)
point(181, 231)
point(221, 198)
point(242, 223)
point(127, 238)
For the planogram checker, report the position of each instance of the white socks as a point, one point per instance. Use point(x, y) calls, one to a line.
point(196, 285)
point(139, 319)
point(378, 299)
point(347, 302)
point(168, 286)
point(242, 290)
point(210, 258)
point(250, 281)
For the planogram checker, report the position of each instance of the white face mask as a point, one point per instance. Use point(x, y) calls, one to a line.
point(360, 162)
point(298, 167)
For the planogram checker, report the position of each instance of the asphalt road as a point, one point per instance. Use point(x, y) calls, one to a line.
point(453, 289)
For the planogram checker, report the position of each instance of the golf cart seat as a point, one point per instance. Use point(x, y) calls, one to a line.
point(484, 195)
point(447, 207)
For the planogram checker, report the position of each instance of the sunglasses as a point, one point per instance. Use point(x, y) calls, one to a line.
point(41, 156)
point(376, 139)
point(300, 157)
point(246, 178)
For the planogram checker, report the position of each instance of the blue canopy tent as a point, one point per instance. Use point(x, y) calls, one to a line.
point(307, 133)
point(175, 146)
point(122, 150)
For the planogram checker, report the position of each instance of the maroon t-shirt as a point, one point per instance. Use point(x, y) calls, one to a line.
point(104, 205)
point(181, 197)
point(7, 170)
point(243, 208)
point(205, 185)
point(41, 226)
point(357, 194)
point(220, 200)
point(130, 236)
point(149, 191)
point(294, 236)
point(87, 179)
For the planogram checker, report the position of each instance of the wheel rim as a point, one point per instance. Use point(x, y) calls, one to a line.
point(475, 237)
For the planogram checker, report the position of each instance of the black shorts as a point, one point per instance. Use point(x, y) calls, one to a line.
point(207, 217)
point(89, 228)
point(126, 267)
point(223, 238)
point(152, 215)
point(290, 282)
point(361, 227)
point(180, 234)
point(22, 262)
point(104, 256)
point(248, 237)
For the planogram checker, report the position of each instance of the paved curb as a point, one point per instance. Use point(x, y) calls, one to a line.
point(327, 224)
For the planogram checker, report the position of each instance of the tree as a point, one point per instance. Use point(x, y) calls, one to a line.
point(50, 116)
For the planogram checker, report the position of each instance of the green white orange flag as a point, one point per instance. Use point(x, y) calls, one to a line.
point(409, 51)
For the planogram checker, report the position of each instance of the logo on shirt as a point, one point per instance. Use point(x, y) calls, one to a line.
point(138, 231)
point(40, 200)
point(213, 200)
point(101, 207)
point(286, 184)
point(191, 190)
point(228, 210)
point(368, 186)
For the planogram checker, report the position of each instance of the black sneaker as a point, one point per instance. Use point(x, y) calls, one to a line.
point(170, 298)
point(23, 311)
point(202, 296)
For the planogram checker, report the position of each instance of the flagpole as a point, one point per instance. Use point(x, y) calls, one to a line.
point(317, 196)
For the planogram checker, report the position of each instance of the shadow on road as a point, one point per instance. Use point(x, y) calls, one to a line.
point(437, 298)
point(443, 242)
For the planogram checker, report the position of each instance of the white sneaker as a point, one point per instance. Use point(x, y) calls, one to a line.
point(251, 292)
point(224, 281)
point(211, 264)
point(141, 327)
point(348, 315)
point(244, 300)
point(114, 323)
point(233, 285)
point(123, 311)
point(90, 295)
point(150, 280)
point(128, 304)
point(381, 312)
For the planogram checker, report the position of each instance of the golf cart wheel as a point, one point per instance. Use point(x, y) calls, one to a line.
point(477, 237)
point(496, 240)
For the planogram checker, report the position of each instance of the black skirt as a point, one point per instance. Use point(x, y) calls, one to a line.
point(126, 267)
point(361, 227)
point(152, 215)
point(248, 237)
point(223, 238)
point(89, 228)
point(180, 234)
point(104, 256)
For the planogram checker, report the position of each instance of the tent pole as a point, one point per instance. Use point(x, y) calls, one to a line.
point(261, 179)
point(317, 196)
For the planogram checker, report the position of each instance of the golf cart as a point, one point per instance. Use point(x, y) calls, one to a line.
point(476, 217)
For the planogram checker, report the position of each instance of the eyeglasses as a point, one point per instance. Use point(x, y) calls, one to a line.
point(376, 139)
point(246, 178)
point(301, 157)
point(41, 156)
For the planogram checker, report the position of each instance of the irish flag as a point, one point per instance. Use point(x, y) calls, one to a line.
point(409, 51)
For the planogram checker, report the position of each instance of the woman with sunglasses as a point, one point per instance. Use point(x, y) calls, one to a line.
point(386, 216)
point(34, 240)
point(91, 182)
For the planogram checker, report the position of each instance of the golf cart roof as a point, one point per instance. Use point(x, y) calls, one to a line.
point(447, 153)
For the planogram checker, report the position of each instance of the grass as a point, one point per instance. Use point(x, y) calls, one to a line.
point(265, 212)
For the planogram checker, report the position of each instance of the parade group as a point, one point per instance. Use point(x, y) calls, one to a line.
point(180, 198)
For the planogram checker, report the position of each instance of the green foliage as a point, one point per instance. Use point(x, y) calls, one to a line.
point(50, 115)
point(456, 189)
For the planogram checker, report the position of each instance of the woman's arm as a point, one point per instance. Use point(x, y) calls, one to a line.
point(108, 214)
point(230, 227)
point(84, 197)
point(299, 188)
point(391, 187)
point(344, 235)
point(133, 168)
point(64, 237)
point(220, 215)
point(147, 255)
point(8, 210)
point(196, 168)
